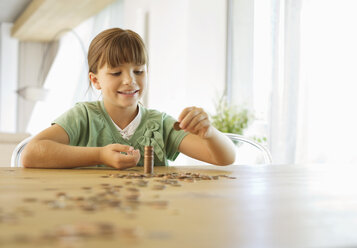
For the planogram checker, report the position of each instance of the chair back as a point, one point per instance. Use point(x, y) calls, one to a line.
point(244, 147)
point(236, 138)
point(16, 154)
point(248, 152)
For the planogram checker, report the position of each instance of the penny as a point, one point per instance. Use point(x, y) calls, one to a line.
point(132, 197)
point(177, 126)
point(142, 183)
point(88, 207)
point(21, 238)
point(61, 194)
point(50, 189)
point(158, 187)
point(132, 189)
point(114, 203)
point(78, 198)
point(158, 204)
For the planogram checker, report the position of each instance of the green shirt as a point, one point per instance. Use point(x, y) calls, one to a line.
point(88, 124)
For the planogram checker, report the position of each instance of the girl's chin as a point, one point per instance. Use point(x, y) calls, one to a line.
point(128, 104)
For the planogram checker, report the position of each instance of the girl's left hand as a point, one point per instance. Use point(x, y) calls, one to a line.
point(195, 120)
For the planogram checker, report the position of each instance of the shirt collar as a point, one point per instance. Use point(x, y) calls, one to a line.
point(130, 129)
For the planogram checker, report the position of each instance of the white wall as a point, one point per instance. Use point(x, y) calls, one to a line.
point(187, 52)
point(243, 52)
point(187, 46)
point(8, 79)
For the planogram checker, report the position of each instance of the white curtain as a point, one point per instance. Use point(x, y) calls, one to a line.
point(312, 59)
point(328, 73)
point(286, 94)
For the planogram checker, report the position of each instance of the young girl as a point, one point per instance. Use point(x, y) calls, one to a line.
point(114, 131)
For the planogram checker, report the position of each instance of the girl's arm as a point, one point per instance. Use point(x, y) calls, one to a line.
point(204, 142)
point(50, 149)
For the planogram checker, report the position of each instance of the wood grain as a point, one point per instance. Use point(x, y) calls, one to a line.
point(265, 206)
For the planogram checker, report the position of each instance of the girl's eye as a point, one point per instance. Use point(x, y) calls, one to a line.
point(138, 72)
point(116, 73)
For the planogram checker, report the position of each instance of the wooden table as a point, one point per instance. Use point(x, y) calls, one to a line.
point(265, 206)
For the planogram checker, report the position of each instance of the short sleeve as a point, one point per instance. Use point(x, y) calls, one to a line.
point(172, 137)
point(75, 123)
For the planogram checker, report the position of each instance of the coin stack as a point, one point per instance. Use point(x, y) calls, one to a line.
point(149, 159)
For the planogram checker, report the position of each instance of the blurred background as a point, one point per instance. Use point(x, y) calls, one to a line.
point(282, 72)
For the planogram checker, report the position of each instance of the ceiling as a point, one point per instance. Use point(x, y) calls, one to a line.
point(11, 9)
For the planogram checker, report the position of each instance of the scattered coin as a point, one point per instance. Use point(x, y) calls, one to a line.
point(61, 194)
point(132, 189)
point(132, 197)
point(160, 204)
point(21, 238)
point(50, 189)
point(158, 187)
point(30, 199)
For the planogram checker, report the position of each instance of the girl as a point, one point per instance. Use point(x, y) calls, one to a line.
point(114, 131)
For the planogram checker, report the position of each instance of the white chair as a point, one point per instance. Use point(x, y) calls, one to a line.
point(267, 158)
point(249, 152)
point(236, 138)
point(16, 154)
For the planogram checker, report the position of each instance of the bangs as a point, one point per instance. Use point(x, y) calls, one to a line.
point(124, 48)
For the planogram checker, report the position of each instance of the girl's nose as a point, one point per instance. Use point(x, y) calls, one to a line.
point(128, 79)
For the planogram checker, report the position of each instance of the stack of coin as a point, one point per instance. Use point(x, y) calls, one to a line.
point(149, 159)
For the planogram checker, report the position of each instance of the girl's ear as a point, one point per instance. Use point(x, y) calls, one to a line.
point(93, 78)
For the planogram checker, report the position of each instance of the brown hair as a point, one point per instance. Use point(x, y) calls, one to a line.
point(114, 47)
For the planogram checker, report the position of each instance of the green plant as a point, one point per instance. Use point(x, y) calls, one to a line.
point(230, 118)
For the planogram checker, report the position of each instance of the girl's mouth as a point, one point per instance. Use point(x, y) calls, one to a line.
point(128, 93)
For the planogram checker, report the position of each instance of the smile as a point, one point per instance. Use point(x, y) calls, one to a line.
point(128, 93)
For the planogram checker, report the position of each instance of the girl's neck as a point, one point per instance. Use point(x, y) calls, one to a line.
point(122, 116)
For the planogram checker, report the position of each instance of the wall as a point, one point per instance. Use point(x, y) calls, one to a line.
point(187, 46)
point(8, 79)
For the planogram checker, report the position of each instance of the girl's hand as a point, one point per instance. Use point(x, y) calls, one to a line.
point(119, 156)
point(195, 120)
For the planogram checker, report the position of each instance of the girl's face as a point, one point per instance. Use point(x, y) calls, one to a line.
point(122, 86)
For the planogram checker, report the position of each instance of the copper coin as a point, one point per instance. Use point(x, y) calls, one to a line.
point(177, 126)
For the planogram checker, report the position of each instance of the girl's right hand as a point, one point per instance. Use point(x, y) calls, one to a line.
point(119, 156)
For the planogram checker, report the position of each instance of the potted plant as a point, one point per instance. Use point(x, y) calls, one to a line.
point(233, 119)
point(230, 118)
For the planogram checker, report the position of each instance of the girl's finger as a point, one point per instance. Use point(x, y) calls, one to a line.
point(203, 125)
point(184, 113)
point(189, 117)
point(122, 148)
point(195, 121)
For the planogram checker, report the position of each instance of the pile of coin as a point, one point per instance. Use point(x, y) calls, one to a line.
point(123, 196)
point(73, 234)
point(149, 159)
point(183, 176)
